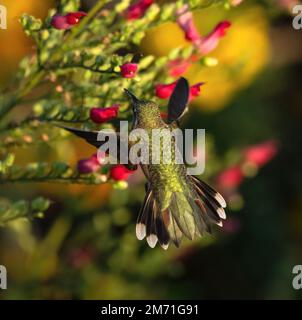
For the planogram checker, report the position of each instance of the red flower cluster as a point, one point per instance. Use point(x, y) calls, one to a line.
point(66, 22)
point(138, 9)
point(119, 172)
point(256, 155)
point(210, 42)
point(129, 70)
point(164, 91)
point(230, 178)
point(203, 44)
point(259, 154)
point(101, 115)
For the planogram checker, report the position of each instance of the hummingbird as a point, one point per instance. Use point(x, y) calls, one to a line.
point(176, 204)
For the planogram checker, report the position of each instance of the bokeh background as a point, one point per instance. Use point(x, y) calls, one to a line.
point(85, 246)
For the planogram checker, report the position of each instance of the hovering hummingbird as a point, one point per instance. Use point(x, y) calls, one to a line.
point(175, 203)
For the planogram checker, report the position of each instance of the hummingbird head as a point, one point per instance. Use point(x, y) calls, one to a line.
point(146, 113)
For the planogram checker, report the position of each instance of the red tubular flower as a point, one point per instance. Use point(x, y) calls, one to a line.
point(89, 165)
point(195, 90)
point(164, 91)
point(75, 17)
point(204, 44)
point(230, 178)
point(178, 67)
point(138, 9)
point(119, 172)
point(66, 22)
point(129, 70)
point(210, 42)
point(60, 22)
point(101, 115)
point(260, 154)
point(185, 21)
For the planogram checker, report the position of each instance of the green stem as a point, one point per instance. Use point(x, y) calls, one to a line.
point(39, 75)
point(79, 66)
point(49, 180)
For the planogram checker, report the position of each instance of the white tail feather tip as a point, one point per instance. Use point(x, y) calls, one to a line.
point(165, 246)
point(220, 199)
point(221, 213)
point(140, 231)
point(152, 240)
point(220, 224)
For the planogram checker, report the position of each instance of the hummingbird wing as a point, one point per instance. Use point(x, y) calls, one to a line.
point(92, 138)
point(178, 102)
point(89, 136)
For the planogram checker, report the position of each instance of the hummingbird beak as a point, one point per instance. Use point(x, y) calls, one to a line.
point(133, 98)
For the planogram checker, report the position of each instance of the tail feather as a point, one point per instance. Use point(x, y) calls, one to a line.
point(210, 192)
point(175, 232)
point(213, 202)
point(190, 213)
point(182, 214)
point(161, 231)
point(142, 217)
point(202, 221)
point(150, 226)
point(150, 223)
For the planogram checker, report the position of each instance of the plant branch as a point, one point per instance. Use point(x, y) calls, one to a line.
point(39, 74)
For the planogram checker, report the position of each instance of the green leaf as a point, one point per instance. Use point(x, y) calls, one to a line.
point(40, 204)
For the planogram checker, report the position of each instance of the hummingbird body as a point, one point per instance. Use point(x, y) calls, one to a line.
point(174, 206)
point(164, 178)
point(175, 203)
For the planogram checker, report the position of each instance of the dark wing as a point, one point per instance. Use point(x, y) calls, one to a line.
point(89, 136)
point(92, 138)
point(178, 101)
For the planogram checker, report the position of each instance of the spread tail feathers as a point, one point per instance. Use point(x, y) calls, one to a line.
point(189, 213)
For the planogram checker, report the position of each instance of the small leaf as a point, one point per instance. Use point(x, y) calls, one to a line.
point(40, 204)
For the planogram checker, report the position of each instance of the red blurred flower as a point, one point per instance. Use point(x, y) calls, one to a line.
point(89, 165)
point(61, 22)
point(164, 91)
point(195, 90)
point(178, 67)
point(204, 44)
point(75, 17)
point(119, 172)
point(261, 153)
point(209, 43)
point(101, 115)
point(81, 257)
point(230, 178)
point(185, 21)
point(138, 9)
point(129, 70)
